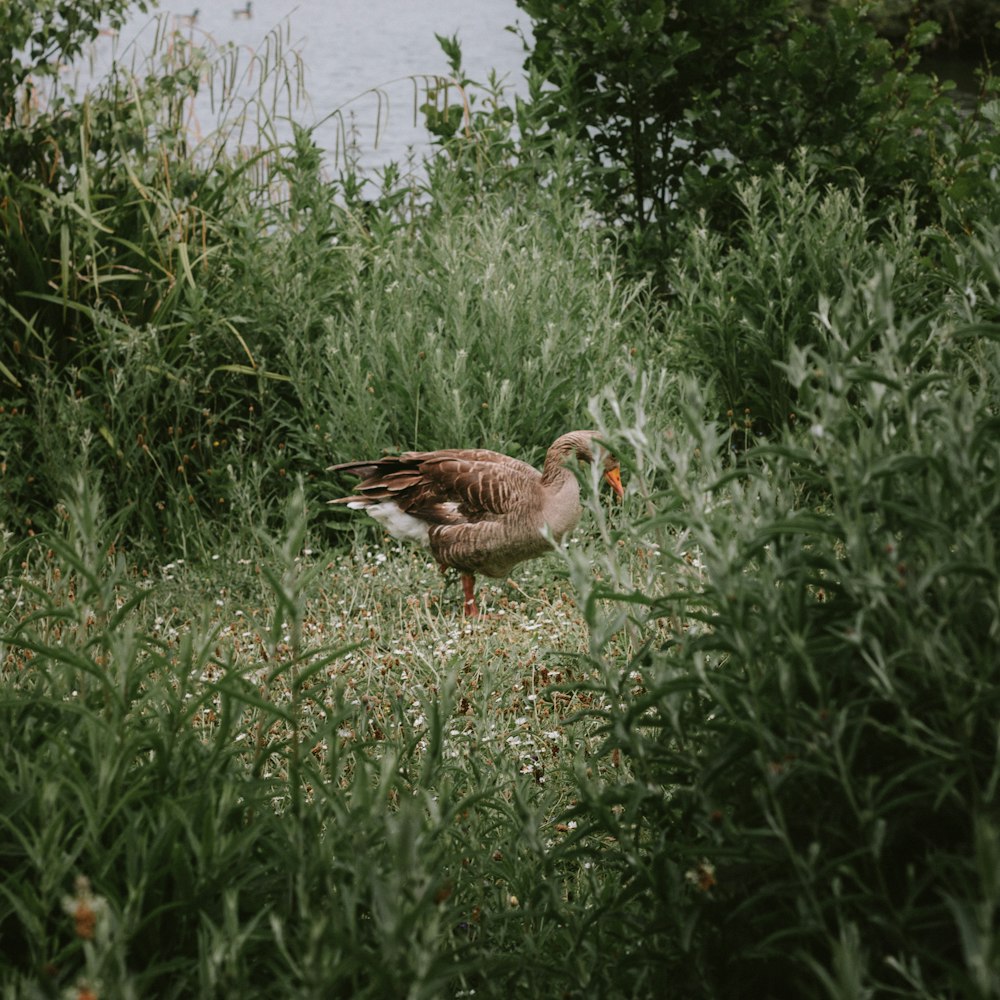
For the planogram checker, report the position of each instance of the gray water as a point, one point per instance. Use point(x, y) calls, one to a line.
point(361, 58)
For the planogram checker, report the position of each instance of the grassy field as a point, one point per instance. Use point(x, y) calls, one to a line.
point(149, 716)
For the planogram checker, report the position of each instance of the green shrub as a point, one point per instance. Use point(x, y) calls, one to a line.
point(740, 306)
point(491, 326)
point(34, 42)
point(677, 104)
point(967, 25)
point(810, 800)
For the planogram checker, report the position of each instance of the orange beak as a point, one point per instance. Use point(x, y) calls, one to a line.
point(614, 477)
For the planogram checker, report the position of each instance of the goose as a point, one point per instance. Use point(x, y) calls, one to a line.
point(243, 11)
point(478, 511)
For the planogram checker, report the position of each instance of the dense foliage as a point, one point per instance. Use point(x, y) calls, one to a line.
point(812, 809)
point(781, 778)
point(966, 25)
point(679, 103)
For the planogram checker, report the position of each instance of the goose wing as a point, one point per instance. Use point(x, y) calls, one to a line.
point(454, 486)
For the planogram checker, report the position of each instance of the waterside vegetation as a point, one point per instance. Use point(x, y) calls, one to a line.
point(740, 735)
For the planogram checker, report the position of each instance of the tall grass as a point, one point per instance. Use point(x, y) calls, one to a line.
point(311, 778)
point(113, 242)
point(215, 321)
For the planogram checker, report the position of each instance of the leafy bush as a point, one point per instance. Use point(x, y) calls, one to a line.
point(34, 42)
point(492, 327)
point(970, 25)
point(810, 800)
point(678, 103)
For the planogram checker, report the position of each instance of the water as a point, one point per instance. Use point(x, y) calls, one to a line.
point(349, 48)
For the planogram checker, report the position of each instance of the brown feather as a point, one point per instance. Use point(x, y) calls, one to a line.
point(483, 512)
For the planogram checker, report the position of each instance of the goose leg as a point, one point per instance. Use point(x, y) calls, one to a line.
point(468, 587)
point(468, 584)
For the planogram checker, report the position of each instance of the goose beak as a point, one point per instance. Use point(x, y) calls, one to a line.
point(614, 477)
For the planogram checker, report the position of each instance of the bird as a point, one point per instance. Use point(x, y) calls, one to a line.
point(189, 19)
point(479, 511)
point(244, 11)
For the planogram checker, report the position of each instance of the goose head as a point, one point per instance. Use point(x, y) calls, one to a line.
point(582, 448)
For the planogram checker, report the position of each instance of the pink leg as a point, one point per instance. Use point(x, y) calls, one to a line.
point(468, 585)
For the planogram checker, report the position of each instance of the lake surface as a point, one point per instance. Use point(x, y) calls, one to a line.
point(348, 49)
point(360, 58)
